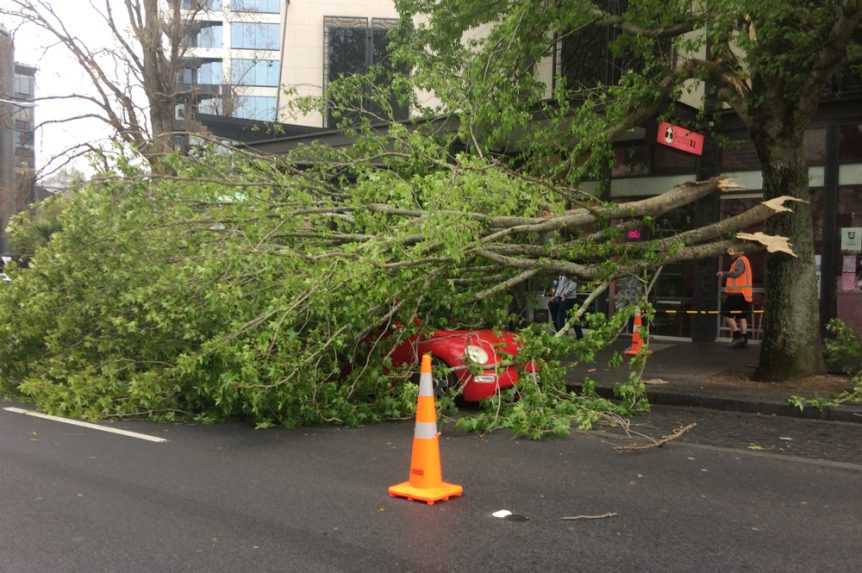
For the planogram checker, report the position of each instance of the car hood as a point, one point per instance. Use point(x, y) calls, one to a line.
point(499, 344)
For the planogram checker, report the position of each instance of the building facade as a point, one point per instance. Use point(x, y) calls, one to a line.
point(644, 167)
point(324, 40)
point(233, 61)
point(17, 125)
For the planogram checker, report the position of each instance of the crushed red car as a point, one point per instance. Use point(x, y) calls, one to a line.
point(493, 351)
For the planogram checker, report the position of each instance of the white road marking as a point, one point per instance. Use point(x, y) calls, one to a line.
point(86, 425)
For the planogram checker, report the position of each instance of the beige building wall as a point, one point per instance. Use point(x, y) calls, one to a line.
point(694, 89)
point(302, 48)
point(302, 54)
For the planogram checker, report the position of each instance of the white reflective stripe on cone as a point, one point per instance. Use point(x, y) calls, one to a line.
point(425, 430)
point(426, 384)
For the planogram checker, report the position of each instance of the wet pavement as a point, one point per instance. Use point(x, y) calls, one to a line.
point(712, 376)
point(764, 433)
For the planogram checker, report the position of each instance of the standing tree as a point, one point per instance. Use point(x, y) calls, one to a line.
point(771, 62)
point(136, 80)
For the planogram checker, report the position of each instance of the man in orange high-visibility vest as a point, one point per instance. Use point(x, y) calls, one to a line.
point(738, 296)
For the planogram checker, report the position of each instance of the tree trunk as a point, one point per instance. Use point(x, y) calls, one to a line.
point(792, 344)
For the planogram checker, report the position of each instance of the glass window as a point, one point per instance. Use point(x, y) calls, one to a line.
point(212, 106)
point(849, 215)
point(24, 114)
point(200, 4)
point(209, 74)
point(631, 160)
point(667, 161)
point(814, 146)
point(266, 6)
point(255, 36)
point(739, 156)
point(23, 139)
point(255, 107)
point(587, 58)
point(581, 71)
point(350, 47)
point(347, 52)
point(209, 35)
point(851, 144)
point(254, 72)
point(24, 85)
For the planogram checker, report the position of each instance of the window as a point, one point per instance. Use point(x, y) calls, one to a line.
point(814, 146)
point(254, 72)
point(352, 46)
point(200, 4)
point(631, 160)
point(739, 156)
point(254, 36)
point(851, 144)
point(585, 59)
point(209, 74)
point(255, 107)
point(24, 139)
point(212, 106)
point(848, 80)
point(24, 85)
point(265, 6)
point(24, 115)
point(209, 35)
point(206, 74)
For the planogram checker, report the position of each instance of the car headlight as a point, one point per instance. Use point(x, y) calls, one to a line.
point(476, 354)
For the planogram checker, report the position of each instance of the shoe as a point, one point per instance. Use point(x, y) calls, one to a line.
point(736, 337)
point(739, 342)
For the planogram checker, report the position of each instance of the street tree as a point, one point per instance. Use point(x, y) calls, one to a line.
point(771, 62)
point(135, 77)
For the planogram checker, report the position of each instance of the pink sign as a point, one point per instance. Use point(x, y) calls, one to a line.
point(680, 138)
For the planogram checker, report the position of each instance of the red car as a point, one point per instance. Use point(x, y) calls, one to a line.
point(492, 350)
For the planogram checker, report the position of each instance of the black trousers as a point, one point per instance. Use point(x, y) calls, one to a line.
point(559, 313)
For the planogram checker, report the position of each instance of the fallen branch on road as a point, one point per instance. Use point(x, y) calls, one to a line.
point(602, 516)
point(657, 443)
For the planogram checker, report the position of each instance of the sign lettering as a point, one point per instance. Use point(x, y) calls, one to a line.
point(680, 138)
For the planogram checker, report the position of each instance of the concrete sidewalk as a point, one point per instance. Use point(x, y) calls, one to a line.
point(712, 375)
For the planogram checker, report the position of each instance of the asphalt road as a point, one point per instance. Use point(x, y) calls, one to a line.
point(229, 498)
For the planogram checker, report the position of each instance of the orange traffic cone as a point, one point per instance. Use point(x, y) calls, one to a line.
point(637, 342)
point(426, 477)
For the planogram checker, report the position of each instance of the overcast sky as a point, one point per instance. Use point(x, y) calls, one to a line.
point(59, 74)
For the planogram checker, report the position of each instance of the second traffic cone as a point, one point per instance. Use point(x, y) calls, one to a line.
point(426, 477)
point(637, 341)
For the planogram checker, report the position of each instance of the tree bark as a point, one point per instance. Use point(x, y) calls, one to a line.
point(792, 344)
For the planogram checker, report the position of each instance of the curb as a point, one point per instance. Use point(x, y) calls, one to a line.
point(750, 406)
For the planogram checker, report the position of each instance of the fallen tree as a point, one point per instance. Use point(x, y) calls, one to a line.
point(260, 288)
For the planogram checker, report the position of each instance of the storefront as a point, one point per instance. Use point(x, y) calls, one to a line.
point(833, 148)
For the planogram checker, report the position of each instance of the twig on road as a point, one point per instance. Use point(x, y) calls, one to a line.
point(657, 443)
point(602, 516)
